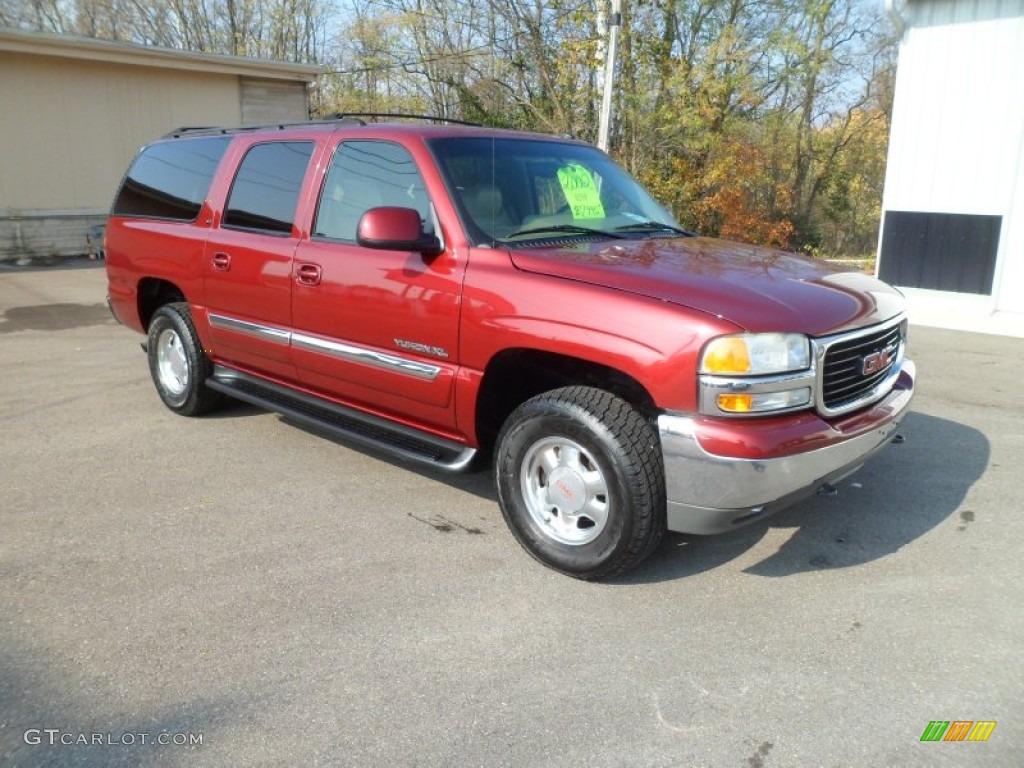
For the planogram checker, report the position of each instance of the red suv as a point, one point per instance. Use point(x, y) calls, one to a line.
point(438, 292)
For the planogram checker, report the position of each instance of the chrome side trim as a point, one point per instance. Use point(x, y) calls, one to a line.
point(367, 356)
point(334, 348)
point(265, 332)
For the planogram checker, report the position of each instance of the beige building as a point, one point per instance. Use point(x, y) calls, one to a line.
point(76, 110)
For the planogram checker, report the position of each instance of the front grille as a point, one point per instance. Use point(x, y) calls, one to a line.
point(844, 383)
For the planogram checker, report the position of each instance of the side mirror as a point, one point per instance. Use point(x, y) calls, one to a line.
point(395, 229)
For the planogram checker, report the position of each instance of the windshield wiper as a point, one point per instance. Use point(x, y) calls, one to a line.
point(571, 228)
point(655, 226)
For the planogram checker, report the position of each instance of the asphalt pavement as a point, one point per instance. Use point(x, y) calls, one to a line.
point(252, 593)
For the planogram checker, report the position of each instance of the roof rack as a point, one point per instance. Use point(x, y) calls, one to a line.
point(407, 116)
point(338, 118)
point(191, 130)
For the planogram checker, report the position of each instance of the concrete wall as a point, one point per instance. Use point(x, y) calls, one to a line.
point(71, 127)
point(958, 124)
point(75, 112)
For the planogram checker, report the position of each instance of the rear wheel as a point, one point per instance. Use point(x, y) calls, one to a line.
point(178, 364)
point(581, 482)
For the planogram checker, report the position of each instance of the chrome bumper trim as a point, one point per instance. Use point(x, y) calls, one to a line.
point(113, 314)
point(711, 494)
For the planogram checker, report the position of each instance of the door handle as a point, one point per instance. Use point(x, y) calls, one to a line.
point(222, 261)
point(309, 274)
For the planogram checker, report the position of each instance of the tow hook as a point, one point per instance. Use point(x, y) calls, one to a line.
point(899, 440)
point(827, 489)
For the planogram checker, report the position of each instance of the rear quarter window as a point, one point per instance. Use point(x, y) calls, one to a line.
point(170, 180)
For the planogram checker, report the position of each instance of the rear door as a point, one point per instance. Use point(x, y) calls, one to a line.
point(248, 258)
point(375, 328)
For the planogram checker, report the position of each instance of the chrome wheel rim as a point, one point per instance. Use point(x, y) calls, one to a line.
point(565, 491)
point(171, 362)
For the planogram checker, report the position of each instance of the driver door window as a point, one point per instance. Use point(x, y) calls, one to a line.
point(365, 175)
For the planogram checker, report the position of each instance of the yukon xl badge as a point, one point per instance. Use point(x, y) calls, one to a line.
point(425, 349)
point(876, 361)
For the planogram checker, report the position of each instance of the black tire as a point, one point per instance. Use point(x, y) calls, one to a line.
point(592, 454)
point(178, 364)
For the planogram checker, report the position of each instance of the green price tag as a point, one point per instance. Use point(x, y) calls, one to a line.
point(580, 192)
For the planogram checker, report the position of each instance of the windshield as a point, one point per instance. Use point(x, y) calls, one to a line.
point(518, 190)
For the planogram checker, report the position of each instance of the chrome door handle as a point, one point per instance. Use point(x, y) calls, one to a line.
point(309, 274)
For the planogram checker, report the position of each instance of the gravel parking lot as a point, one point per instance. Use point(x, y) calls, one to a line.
point(287, 600)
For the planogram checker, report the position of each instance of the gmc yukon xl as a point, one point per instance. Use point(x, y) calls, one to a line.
point(442, 292)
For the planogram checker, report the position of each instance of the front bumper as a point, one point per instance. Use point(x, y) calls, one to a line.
point(709, 493)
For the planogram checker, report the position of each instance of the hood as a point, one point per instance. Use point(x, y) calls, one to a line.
point(757, 288)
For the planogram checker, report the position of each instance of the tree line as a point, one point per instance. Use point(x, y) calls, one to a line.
point(758, 120)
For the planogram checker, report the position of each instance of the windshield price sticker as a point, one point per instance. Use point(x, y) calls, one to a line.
point(580, 192)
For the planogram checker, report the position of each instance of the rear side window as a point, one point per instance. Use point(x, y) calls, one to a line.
point(267, 186)
point(170, 180)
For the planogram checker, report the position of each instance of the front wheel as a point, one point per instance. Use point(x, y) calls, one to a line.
point(581, 482)
point(178, 364)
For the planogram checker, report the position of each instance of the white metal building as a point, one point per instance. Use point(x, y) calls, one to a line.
point(76, 110)
point(953, 209)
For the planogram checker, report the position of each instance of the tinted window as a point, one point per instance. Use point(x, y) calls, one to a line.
point(171, 180)
point(365, 175)
point(266, 188)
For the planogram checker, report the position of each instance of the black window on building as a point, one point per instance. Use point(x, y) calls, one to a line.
point(940, 251)
point(266, 188)
point(170, 180)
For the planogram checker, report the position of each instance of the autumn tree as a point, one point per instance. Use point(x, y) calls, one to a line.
point(286, 30)
point(761, 120)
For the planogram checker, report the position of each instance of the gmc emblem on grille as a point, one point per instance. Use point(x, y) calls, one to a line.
point(876, 361)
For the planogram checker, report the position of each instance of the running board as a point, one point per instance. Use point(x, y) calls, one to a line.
point(347, 423)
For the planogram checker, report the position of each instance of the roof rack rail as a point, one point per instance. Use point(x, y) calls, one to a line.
point(407, 116)
point(200, 130)
point(189, 129)
point(338, 118)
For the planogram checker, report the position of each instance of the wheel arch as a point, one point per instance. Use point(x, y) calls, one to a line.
point(153, 293)
point(514, 375)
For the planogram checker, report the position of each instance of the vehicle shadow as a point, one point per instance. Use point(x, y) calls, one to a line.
point(900, 495)
point(51, 264)
point(233, 408)
point(54, 317)
point(897, 497)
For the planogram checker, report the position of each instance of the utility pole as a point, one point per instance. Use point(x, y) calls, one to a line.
point(614, 23)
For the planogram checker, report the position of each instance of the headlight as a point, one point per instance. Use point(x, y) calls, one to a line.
point(756, 354)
